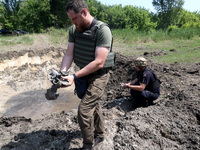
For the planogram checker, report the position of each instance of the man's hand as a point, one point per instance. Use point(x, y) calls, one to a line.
point(124, 85)
point(69, 78)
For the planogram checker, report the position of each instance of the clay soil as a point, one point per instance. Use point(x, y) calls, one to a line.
point(172, 123)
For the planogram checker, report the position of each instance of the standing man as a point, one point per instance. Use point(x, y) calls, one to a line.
point(145, 88)
point(89, 45)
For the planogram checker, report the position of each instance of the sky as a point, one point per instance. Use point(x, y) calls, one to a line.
point(189, 5)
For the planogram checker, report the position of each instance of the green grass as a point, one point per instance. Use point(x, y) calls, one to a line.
point(186, 51)
point(184, 42)
point(14, 40)
point(58, 36)
point(131, 36)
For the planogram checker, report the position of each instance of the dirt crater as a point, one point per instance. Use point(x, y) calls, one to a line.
point(173, 123)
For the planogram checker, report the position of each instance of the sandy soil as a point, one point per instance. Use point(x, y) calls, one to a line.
point(29, 121)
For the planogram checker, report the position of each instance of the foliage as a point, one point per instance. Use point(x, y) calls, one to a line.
point(191, 25)
point(123, 17)
point(189, 19)
point(14, 40)
point(185, 42)
point(131, 36)
point(170, 28)
point(181, 33)
point(138, 19)
point(167, 5)
point(39, 15)
point(9, 13)
point(97, 10)
point(35, 15)
point(57, 36)
point(59, 13)
point(130, 42)
point(168, 12)
point(116, 17)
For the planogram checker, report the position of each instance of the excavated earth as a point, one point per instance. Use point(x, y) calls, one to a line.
point(28, 121)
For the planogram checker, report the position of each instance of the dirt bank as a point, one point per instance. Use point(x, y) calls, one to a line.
point(173, 123)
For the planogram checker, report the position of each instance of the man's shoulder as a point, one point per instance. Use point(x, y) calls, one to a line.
point(104, 36)
point(72, 27)
point(71, 33)
point(147, 72)
point(101, 24)
point(103, 28)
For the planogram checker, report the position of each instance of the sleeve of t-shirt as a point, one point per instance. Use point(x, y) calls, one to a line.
point(146, 78)
point(71, 34)
point(104, 37)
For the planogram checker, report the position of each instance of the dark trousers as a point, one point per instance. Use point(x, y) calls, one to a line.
point(144, 98)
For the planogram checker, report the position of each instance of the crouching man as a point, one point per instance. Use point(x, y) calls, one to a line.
point(145, 88)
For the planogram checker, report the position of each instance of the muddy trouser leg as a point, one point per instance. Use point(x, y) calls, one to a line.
point(90, 117)
point(150, 96)
point(98, 123)
point(142, 98)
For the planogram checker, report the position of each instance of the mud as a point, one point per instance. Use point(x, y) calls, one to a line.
point(29, 121)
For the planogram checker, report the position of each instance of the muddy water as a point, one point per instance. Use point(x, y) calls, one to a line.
point(33, 104)
point(23, 84)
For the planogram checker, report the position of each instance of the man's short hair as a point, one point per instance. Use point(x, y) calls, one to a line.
point(76, 5)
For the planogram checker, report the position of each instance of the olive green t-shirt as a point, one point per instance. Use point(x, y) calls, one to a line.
point(103, 36)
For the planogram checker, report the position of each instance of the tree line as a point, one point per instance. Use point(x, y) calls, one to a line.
point(39, 15)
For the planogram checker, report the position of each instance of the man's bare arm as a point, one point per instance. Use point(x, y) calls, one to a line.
point(68, 58)
point(101, 54)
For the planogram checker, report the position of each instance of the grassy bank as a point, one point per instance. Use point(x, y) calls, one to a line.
point(178, 45)
point(8, 40)
point(57, 37)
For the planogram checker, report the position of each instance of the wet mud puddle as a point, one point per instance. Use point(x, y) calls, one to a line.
point(23, 84)
point(33, 104)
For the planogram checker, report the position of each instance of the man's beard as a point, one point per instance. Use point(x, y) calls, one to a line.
point(82, 26)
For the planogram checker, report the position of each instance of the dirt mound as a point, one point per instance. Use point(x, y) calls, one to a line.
point(172, 123)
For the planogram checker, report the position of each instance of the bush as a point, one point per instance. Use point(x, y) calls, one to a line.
point(184, 34)
point(191, 25)
point(171, 28)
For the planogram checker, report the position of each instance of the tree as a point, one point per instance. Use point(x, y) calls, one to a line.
point(35, 15)
point(138, 19)
point(9, 13)
point(97, 10)
point(168, 11)
point(167, 5)
point(189, 20)
point(116, 17)
point(59, 12)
